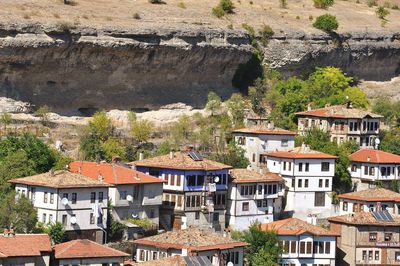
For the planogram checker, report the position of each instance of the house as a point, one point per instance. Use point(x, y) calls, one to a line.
point(132, 193)
point(195, 189)
point(343, 123)
point(368, 166)
point(308, 177)
point(370, 200)
point(191, 242)
point(178, 261)
point(256, 140)
point(367, 238)
point(304, 243)
point(253, 196)
point(86, 252)
point(76, 201)
point(24, 249)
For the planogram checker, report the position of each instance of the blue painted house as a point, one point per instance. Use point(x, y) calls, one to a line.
point(194, 191)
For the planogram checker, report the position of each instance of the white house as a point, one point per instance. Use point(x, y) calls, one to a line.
point(219, 248)
point(368, 166)
point(132, 193)
point(256, 140)
point(303, 243)
point(308, 177)
point(76, 201)
point(370, 200)
point(342, 122)
point(253, 196)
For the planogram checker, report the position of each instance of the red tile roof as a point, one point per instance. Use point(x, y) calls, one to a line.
point(262, 130)
point(181, 161)
point(250, 176)
point(363, 218)
point(294, 226)
point(24, 245)
point(112, 173)
point(371, 195)
point(300, 153)
point(338, 111)
point(84, 248)
point(374, 156)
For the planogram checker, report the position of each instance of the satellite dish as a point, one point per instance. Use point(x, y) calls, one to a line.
point(216, 179)
point(129, 198)
point(64, 201)
point(229, 263)
point(377, 141)
point(73, 220)
point(135, 215)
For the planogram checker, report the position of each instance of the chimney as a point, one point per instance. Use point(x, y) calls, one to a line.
point(6, 232)
point(79, 169)
point(309, 107)
point(141, 156)
point(303, 147)
point(116, 159)
point(100, 178)
point(215, 260)
point(136, 176)
point(171, 155)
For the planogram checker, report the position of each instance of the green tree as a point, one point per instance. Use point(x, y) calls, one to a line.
point(358, 98)
point(213, 103)
point(100, 126)
point(327, 23)
point(382, 12)
point(236, 106)
point(164, 148)
point(141, 130)
point(390, 110)
point(224, 7)
point(91, 148)
point(56, 232)
point(323, 3)
point(43, 113)
point(114, 228)
point(264, 257)
point(390, 141)
point(16, 165)
point(5, 120)
point(112, 147)
point(233, 156)
point(181, 130)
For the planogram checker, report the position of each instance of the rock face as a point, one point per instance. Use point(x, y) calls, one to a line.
point(84, 69)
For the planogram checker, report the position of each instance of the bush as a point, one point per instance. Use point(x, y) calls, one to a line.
point(224, 7)
point(323, 3)
point(156, 1)
point(382, 12)
point(371, 3)
point(136, 16)
point(218, 12)
point(327, 23)
point(395, 7)
point(181, 5)
point(283, 3)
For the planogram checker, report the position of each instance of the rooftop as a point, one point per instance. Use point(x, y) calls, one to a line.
point(339, 111)
point(363, 218)
point(112, 173)
point(250, 176)
point(301, 153)
point(24, 245)
point(374, 156)
point(194, 239)
point(59, 179)
point(373, 194)
point(84, 248)
point(294, 226)
point(181, 161)
point(263, 130)
point(179, 261)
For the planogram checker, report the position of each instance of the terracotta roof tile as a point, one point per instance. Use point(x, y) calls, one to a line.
point(338, 111)
point(250, 176)
point(294, 226)
point(24, 245)
point(374, 156)
point(300, 153)
point(84, 248)
point(59, 179)
point(112, 173)
point(181, 161)
point(194, 239)
point(262, 130)
point(373, 194)
point(175, 261)
point(363, 218)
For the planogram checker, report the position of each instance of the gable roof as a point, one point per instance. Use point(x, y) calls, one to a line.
point(59, 179)
point(84, 248)
point(294, 226)
point(112, 173)
point(250, 176)
point(363, 218)
point(338, 111)
point(262, 130)
point(372, 194)
point(300, 153)
point(179, 261)
point(181, 161)
point(24, 245)
point(194, 239)
point(374, 156)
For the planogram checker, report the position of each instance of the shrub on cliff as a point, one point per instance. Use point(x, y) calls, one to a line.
point(382, 12)
point(327, 23)
point(224, 7)
point(323, 3)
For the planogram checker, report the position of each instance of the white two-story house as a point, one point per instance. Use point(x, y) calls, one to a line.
point(76, 201)
point(368, 166)
point(304, 243)
point(133, 194)
point(308, 177)
point(253, 197)
point(257, 140)
point(343, 122)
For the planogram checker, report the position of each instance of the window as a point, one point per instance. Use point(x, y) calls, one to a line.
point(45, 198)
point(51, 198)
point(364, 255)
point(100, 219)
point(219, 199)
point(302, 247)
point(274, 189)
point(372, 237)
point(179, 201)
point(191, 180)
point(371, 207)
point(326, 182)
point(397, 256)
point(259, 189)
point(101, 196)
point(64, 220)
point(327, 247)
point(290, 166)
point(345, 206)
point(122, 195)
point(300, 167)
point(285, 143)
point(172, 180)
point(178, 180)
point(365, 170)
point(388, 236)
point(44, 218)
point(254, 158)
point(65, 195)
point(371, 170)
point(93, 197)
point(141, 255)
point(293, 182)
point(284, 166)
point(306, 183)
point(307, 167)
point(197, 215)
point(50, 218)
point(152, 214)
point(320, 183)
point(91, 218)
point(319, 199)
point(216, 217)
point(300, 183)
point(265, 203)
point(325, 166)
point(309, 247)
point(74, 197)
point(370, 255)
point(245, 206)
point(376, 254)
point(293, 246)
point(200, 180)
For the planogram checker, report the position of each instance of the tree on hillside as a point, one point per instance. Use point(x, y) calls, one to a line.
point(390, 110)
point(56, 232)
point(213, 103)
point(390, 141)
point(141, 130)
point(234, 156)
point(5, 120)
point(236, 106)
point(100, 126)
